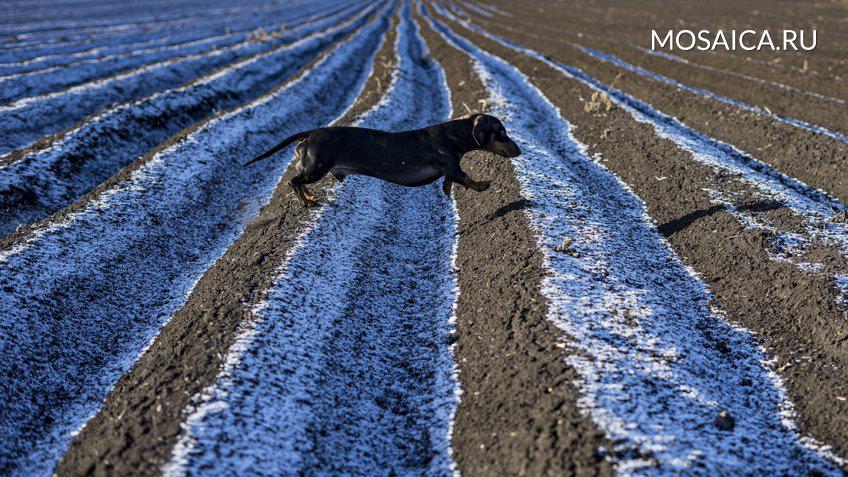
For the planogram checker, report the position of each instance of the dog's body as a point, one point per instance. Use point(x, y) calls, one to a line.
point(409, 158)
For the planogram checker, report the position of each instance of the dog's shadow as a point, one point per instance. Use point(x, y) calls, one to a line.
point(515, 205)
point(677, 225)
point(519, 204)
point(667, 229)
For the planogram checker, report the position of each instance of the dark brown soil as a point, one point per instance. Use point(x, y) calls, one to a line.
point(135, 430)
point(780, 101)
point(632, 22)
point(793, 312)
point(518, 413)
point(812, 158)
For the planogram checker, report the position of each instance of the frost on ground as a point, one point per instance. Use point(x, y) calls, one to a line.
point(85, 293)
point(44, 180)
point(32, 83)
point(766, 184)
point(658, 365)
point(24, 121)
point(352, 345)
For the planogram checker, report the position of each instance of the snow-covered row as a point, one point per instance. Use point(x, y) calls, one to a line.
point(84, 294)
point(678, 59)
point(827, 75)
point(132, 27)
point(479, 10)
point(47, 179)
point(352, 344)
point(814, 205)
point(21, 19)
point(493, 9)
point(658, 364)
point(26, 120)
point(17, 86)
point(209, 32)
point(160, 34)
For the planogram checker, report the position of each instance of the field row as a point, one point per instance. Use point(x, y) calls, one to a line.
point(654, 286)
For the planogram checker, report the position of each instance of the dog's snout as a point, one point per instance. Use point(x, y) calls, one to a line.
point(515, 151)
point(505, 148)
point(511, 149)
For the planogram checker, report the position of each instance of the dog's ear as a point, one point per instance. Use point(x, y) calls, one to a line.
point(482, 130)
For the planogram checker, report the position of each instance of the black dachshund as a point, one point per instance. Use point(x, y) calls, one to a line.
point(409, 158)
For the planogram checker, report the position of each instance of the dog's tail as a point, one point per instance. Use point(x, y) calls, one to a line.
point(270, 152)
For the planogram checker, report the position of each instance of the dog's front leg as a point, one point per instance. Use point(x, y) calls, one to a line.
point(454, 173)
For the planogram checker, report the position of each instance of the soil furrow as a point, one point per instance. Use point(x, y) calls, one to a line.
point(810, 113)
point(141, 231)
point(809, 157)
point(57, 170)
point(26, 120)
point(359, 385)
point(728, 82)
point(518, 412)
point(751, 277)
point(640, 322)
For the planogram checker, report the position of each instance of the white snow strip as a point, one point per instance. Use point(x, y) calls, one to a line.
point(709, 94)
point(479, 10)
point(495, 10)
point(658, 365)
point(678, 59)
point(352, 343)
point(83, 296)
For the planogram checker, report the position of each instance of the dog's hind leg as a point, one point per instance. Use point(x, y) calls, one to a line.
point(307, 199)
point(309, 171)
point(447, 185)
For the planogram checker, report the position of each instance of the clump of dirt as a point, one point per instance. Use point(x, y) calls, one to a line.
point(598, 102)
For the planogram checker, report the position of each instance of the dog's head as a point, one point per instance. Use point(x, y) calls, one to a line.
point(490, 134)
